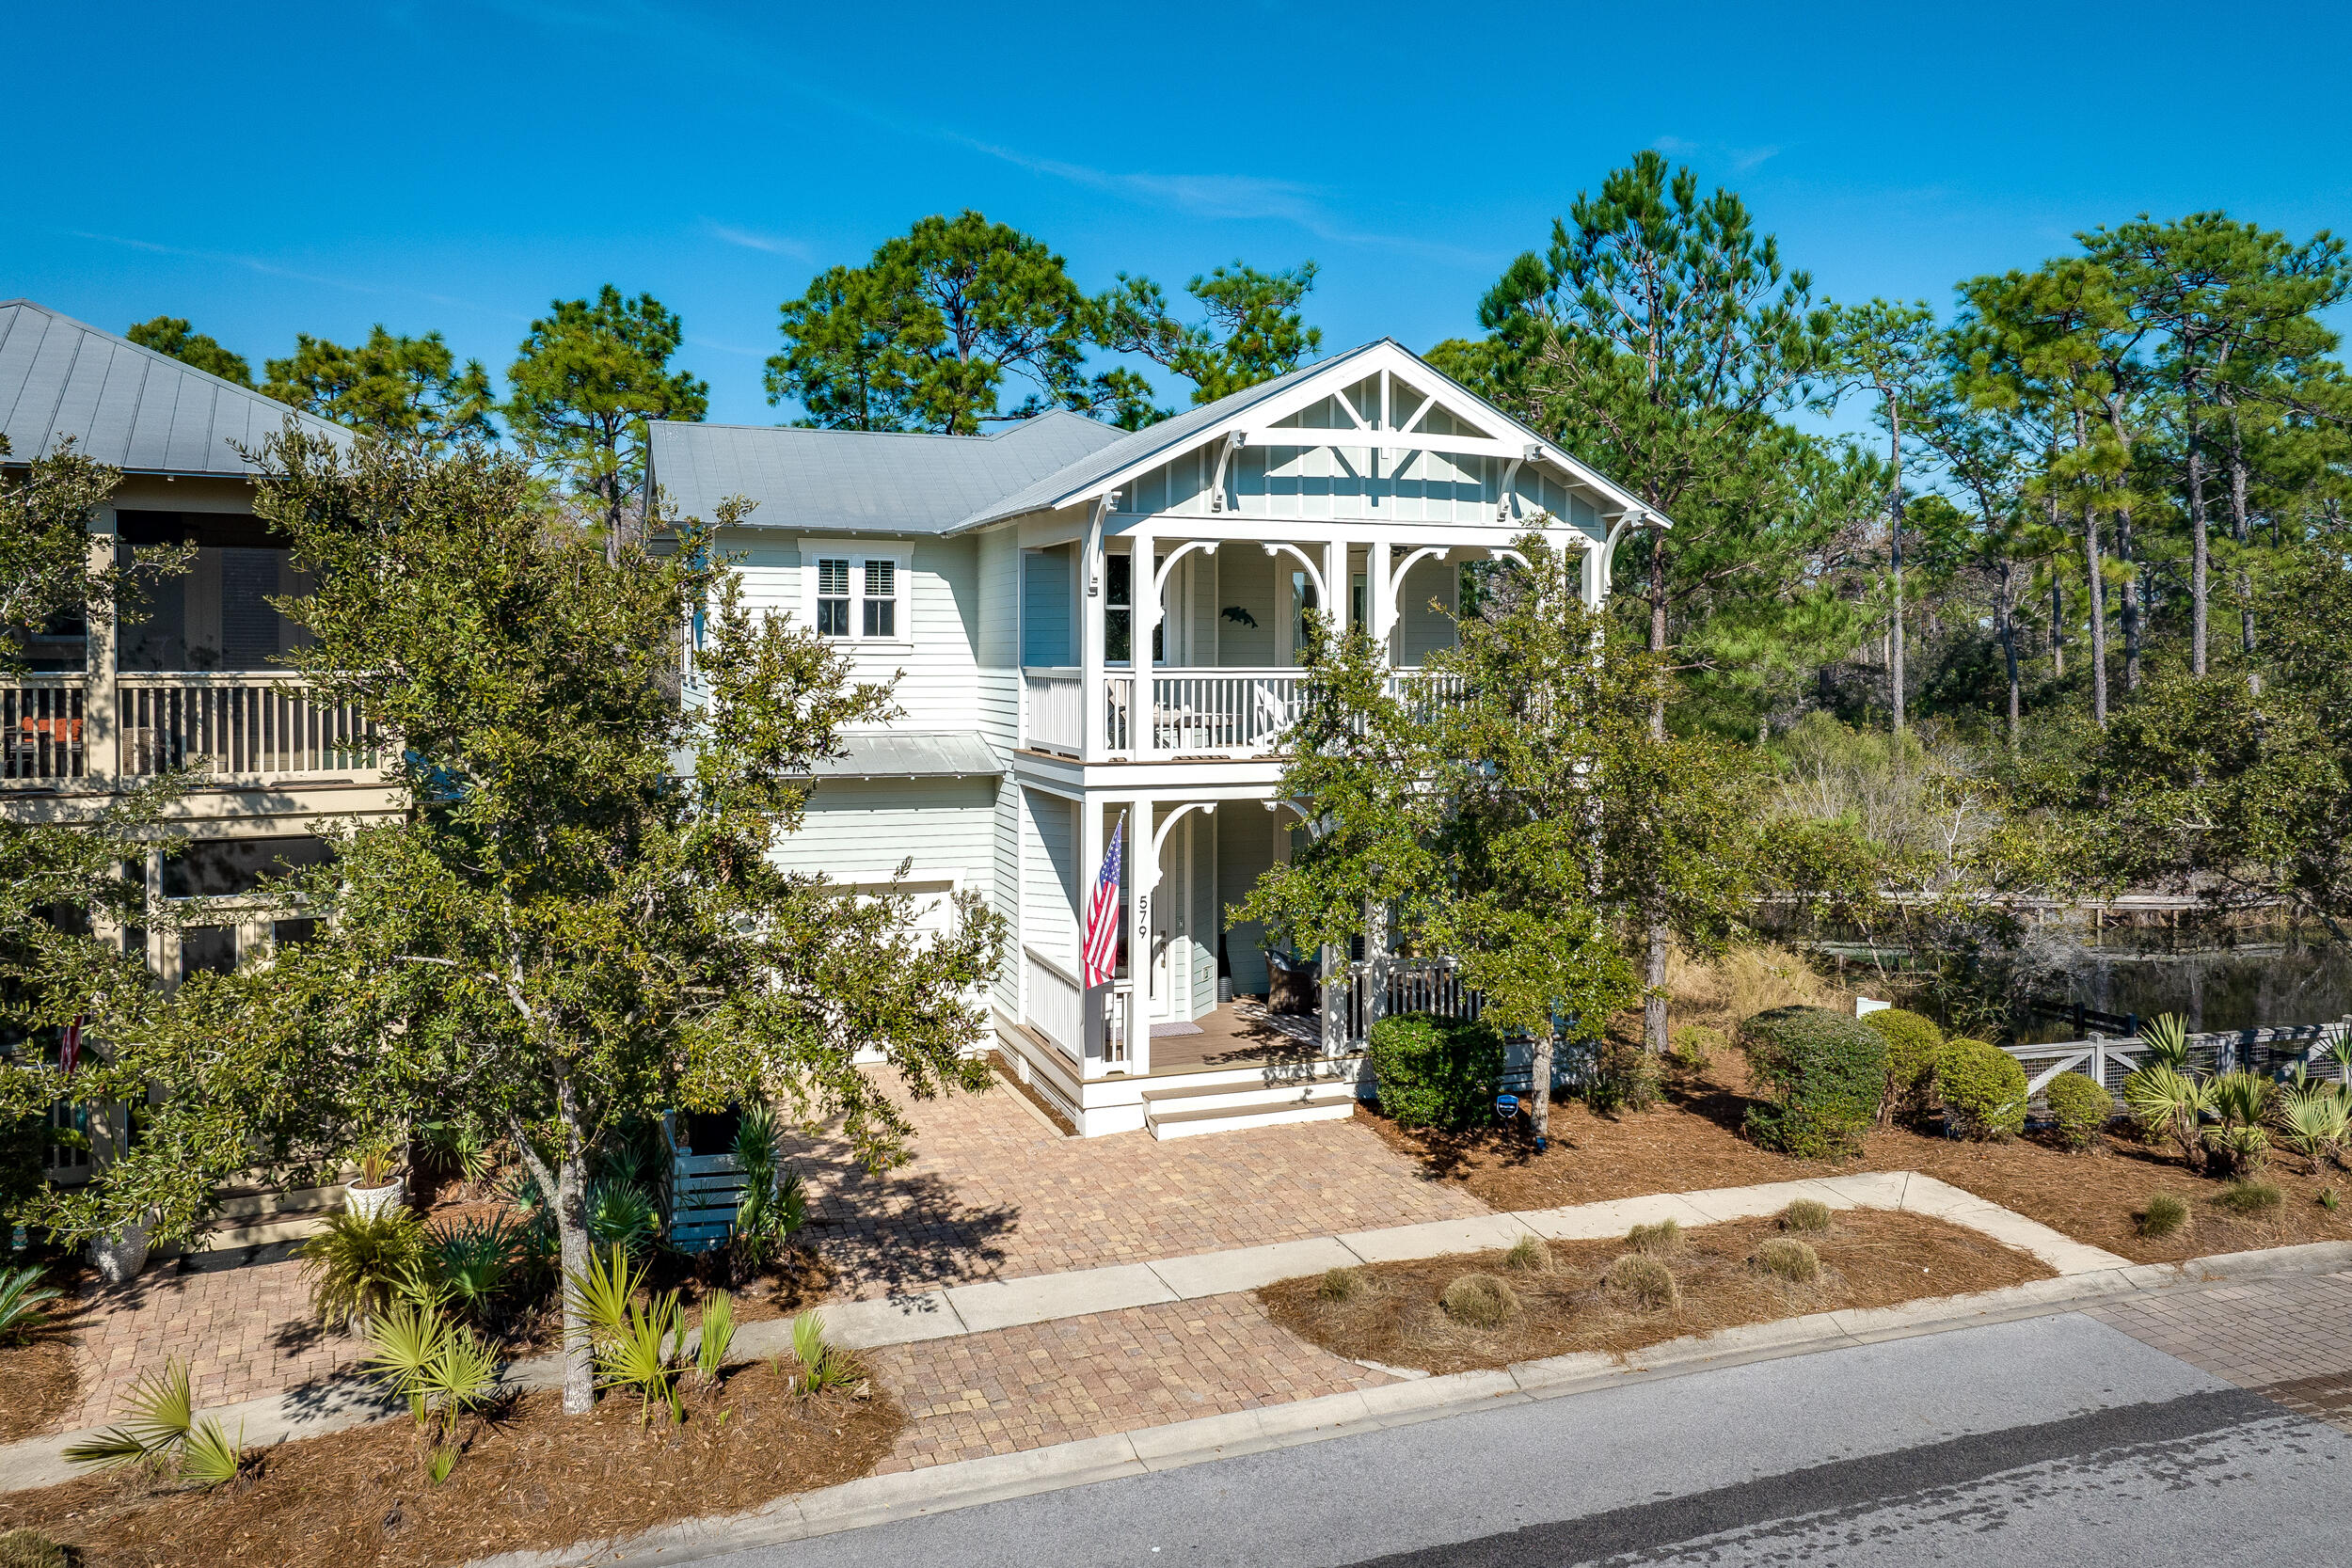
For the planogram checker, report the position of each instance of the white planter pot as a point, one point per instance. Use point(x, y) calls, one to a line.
point(119, 1258)
point(370, 1203)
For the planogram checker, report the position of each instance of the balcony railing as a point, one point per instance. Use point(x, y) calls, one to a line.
point(1211, 712)
point(239, 725)
point(40, 727)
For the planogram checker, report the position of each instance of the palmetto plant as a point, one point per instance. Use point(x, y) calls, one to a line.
point(718, 1335)
point(443, 1370)
point(638, 1355)
point(2164, 1042)
point(622, 1213)
point(2169, 1104)
point(601, 1292)
point(2240, 1102)
point(23, 1306)
point(2314, 1119)
point(475, 1260)
point(163, 1432)
point(822, 1365)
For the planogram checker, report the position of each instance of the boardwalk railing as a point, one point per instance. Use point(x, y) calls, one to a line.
point(2106, 1061)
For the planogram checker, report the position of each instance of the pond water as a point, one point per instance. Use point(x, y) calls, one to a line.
point(2268, 979)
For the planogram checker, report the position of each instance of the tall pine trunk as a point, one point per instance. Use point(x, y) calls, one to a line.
point(2005, 603)
point(2200, 549)
point(2241, 532)
point(2098, 616)
point(1655, 933)
point(1895, 552)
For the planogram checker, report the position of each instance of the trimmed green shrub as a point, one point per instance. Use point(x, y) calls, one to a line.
point(1983, 1090)
point(1784, 1258)
point(1436, 1071)
point(1480, 1300)
point(1912, 1045)
point(2162, 1216)
point(1639, 1283)
point(1824, 1074)
point(1529, 1255)
point(2253, 1199)
point(2080, 1107)
point(31, 1548)
point(1655, 1239)
point(1807, 1214)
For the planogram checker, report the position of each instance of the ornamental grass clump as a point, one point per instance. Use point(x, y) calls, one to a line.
point(1340, 1285)
point(2080, 1108)
point(1912, 1045)
point(1808, 1215)
point(1824, 1075)
point(1785, 1257)
point(1436, 1072)
point(1640, 1283)
point(31, 1548)
point(2250, 1199)
point(1656, 1241)
point(1479, 1301)
point(1983, 1090)
point(2162, 1215)
point(1529, 1255)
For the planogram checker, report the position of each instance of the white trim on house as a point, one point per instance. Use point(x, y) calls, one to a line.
point(866, 566)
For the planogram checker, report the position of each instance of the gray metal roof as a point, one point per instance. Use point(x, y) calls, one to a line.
point(914, 755)
point(139, 410)
point(859, 480)
point(1171, 435)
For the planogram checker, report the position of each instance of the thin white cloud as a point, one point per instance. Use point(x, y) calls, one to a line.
point(271, 269)
point(1225, 197)
point(1741, 159)
point(749, 239)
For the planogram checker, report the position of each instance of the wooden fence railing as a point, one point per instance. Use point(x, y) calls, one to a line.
point(2106, 1061)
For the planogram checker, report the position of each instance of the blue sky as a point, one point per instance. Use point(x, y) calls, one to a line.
point(265, 170)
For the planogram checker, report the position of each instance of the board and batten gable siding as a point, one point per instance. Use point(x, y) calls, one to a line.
point(1245, 581)
point(1266, 479)
point(1245, 847)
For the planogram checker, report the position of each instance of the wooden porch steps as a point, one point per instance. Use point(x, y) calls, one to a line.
point(1178, 1112)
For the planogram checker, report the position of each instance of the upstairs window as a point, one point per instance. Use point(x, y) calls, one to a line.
point(856, 595)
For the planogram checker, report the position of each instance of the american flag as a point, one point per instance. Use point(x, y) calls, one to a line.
point(70, 1047)
point(1101, 944)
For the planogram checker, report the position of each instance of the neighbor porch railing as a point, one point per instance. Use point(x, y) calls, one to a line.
point(41, 726)
point(239, 725)
point(2107, 1060)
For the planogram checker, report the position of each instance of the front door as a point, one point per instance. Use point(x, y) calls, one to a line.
point(1172, 927)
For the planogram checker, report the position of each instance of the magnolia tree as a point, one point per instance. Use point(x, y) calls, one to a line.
point(580, 922)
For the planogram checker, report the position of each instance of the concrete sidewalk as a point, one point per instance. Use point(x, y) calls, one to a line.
point(982, 1309)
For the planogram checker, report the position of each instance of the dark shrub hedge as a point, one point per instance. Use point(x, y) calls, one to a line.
point(1436, 1071)
point(1823, 1074)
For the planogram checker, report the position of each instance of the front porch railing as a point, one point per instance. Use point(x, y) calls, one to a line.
point(1211, 712)
point(41, 726)
point(240, 725)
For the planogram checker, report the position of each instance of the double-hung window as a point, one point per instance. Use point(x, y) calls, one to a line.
point(857, 594)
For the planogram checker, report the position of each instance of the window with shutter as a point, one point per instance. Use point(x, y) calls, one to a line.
point(832, 598)
point(881, 598)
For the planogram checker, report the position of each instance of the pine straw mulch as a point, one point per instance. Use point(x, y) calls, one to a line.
point(39, 1385)
point(1870, 1257)
point(530, 1477)
point(1691, 1142)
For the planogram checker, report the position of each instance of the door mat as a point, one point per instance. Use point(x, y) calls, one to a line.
point(1160, 1031)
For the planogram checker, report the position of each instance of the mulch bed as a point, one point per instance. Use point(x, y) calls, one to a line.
point(1691, 1142)
point(530, 1478)
point(1870, 1257)
point(38, 1387)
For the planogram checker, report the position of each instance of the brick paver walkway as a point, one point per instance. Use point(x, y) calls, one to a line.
point(2281, 1337)
point(245, 1332)
point(1094, 1376)
point(992, 1194)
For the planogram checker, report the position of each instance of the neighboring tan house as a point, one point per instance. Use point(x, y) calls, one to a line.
point(191, 682)
point(1008, 581)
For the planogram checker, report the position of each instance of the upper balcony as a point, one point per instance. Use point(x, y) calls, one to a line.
point(1217, 713)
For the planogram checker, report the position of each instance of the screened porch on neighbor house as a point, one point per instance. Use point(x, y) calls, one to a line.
point(188, 674)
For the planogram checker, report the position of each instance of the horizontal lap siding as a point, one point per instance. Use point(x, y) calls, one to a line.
point(1045, 608)
point(997, 644)
point(1245, 847)
point(1049, 889)
point(863, 829)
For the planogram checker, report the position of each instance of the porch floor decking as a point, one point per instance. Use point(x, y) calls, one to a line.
point(1238, 1034)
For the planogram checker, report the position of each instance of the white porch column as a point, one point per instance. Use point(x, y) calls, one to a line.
point(1143, 880)
point(100, 716)
point(1094, 1001)
point(1335, 586)
point(1093, 701)
point(1383, 605)
point(1143, 594)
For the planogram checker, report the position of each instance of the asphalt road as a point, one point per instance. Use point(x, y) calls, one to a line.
point(2053, 1441)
